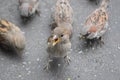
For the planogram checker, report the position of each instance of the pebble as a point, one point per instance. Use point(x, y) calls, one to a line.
point(119, 47)
point(29, 62)
point(2, 59)
point(95, 75)
point(80, 52)
point(59, 65)
point(27, 69)
point(38, 59)
point(19, 76)
point(24, 63)
point(29, 72)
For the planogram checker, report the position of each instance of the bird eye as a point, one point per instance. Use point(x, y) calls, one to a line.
point(62, 35)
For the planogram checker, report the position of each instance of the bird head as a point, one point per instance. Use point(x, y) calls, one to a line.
point(59, 35)
point(25, 9)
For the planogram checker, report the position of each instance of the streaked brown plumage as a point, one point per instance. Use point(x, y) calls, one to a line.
point(59, 43)
point(11, 37)
point(28, 7)
point(97, 23)
point(63, 12)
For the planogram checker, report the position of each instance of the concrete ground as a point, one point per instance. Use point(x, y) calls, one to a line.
point(101, 63)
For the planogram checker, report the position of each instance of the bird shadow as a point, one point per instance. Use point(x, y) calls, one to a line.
point(11, 54)
point(88, 44)
point(56, 64)
point(26, 20)
point(94, 2)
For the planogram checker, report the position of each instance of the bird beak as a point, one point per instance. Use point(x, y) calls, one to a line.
point(55, 40)
point(52, 41)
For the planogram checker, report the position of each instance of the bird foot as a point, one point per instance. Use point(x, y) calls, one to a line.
point(47, 67)
point(38, 12)
point(101, 42)
point(67, 59)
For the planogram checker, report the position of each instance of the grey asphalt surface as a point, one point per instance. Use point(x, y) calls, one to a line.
point(101, 63)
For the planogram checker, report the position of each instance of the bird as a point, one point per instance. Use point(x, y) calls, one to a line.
point(11, 37)
point(96, 24)
point(63, 13)
point(28, 8)
point(59, 44)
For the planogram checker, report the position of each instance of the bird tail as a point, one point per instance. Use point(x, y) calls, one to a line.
point(104, 3)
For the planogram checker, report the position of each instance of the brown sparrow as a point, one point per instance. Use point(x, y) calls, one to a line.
point(96, 24)
point(59, 43)
point(63, 13)
point(28, 7)
point(11, 37)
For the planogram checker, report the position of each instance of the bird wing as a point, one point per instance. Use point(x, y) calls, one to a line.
point(96, 23)
point(4, 25)
point(63, 12)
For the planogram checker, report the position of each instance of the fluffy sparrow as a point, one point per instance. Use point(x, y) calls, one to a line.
point(11, 37)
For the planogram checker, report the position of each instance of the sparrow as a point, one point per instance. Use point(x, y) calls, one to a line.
point(63, 13)
point(59, 43)
point(11, 37)
point(96, 24)
point(28, 8)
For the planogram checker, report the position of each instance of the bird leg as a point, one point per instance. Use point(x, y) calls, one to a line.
point(101, 42)
point(48, 64)
point(38, 12)
point(67, 59)
point(89, 42)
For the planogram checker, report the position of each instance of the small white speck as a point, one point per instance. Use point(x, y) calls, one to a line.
point(95, 75)
point(2, 59)
point(29, 62)
point(59, 65)
point(24, 63)
point(23, 66)
point(19, 76)
point(29, 72)
point(93, 48)
point(69, 79)
point(112, 62)
point(38, 59)
point(80, 52)
point(114, 55)
point(27, 69)
point(119, 47)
